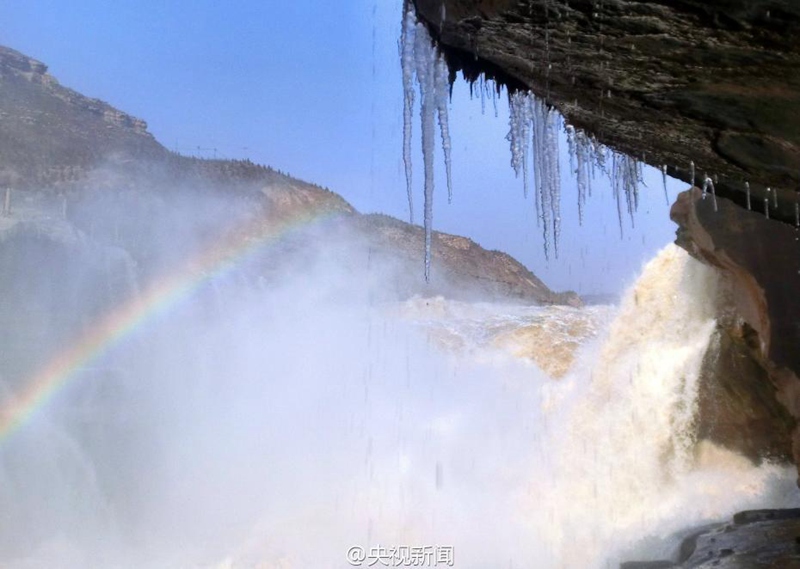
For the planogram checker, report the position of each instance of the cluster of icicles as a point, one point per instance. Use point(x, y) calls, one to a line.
point(534, 131)
point(708, 184)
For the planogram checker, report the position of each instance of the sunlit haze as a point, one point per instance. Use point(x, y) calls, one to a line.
point(314, 89)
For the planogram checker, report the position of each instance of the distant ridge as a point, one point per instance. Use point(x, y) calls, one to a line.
point(56, 141)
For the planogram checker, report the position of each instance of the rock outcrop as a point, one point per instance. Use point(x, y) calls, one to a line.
point(757, 361)
point(53, 134)
point(670, 82)
point(737, 405)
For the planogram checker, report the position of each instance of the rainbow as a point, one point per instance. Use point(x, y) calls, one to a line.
point(219, 257)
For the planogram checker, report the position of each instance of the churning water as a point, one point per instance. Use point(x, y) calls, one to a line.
point(282, 427)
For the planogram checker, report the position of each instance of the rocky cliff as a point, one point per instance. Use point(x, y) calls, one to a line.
point(670, 82)
point(759, 323)
point(53, 134)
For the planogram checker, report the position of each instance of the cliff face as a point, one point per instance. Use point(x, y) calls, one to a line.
point(760, 260)
point(50, 133)
point(670, 82)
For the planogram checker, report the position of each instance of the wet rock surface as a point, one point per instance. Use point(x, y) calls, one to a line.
point(756, 538)
point(759, 362)
point(737, 405)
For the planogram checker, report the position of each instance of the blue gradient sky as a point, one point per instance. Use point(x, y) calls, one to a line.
point(314, 89)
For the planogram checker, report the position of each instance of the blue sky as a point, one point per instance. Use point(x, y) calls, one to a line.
point(314, 89)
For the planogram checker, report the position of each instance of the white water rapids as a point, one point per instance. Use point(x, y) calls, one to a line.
point(278, 429)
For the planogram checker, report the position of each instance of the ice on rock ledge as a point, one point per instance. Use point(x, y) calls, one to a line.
point(533, 131)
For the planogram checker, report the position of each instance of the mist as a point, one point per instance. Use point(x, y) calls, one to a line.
point(276, 409)
point(260, 392)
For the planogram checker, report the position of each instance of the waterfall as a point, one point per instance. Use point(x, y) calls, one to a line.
point(289, 425)
point(625, 453)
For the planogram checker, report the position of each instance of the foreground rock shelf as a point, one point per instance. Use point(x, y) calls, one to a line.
point(755, 538)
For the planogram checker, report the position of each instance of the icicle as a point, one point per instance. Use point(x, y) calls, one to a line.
point(582, 150)
point(527, 115)
point(514, 135)
point(691, 165)
point(706, 184)
point(601, 159)
point(553, 120)
point(537, 178)
point(631, 181)
point(664, 179)
point(425, 59)
point(541, 170)
point(571, 147)
point(546, 172)
point(618, 199)
point(442, 81)
point(483, 95)
point(625, 178)
point(747, 187)
point(580, 176)
point(420, 59)
point(775, 199)
point(598, 158)
point(407, 64)
point(519, 134)
point(766, 204)
point(573, 159)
